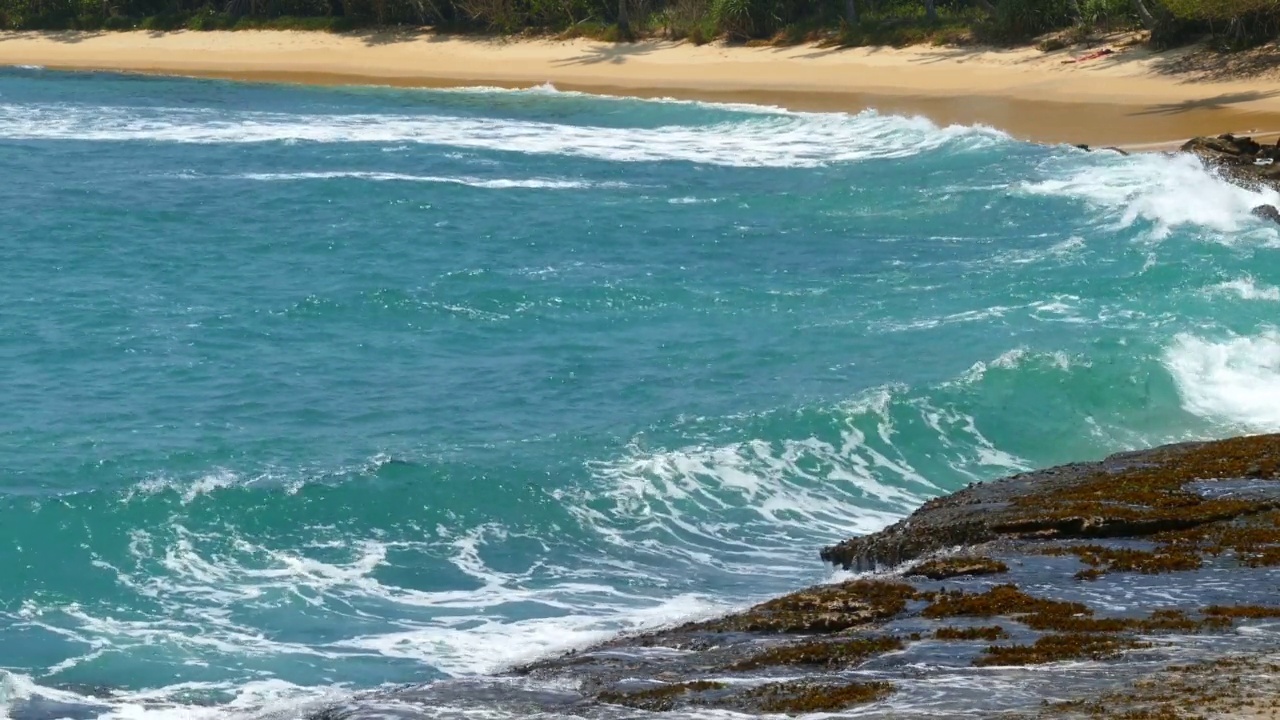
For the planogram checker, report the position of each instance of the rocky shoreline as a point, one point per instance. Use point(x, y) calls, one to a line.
point(1243, 161)
point(1141, 586)
point(1146, 585)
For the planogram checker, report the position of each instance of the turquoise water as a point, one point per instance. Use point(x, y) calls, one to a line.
point(309, 391)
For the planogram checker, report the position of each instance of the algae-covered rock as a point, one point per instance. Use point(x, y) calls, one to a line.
point(1130, 495)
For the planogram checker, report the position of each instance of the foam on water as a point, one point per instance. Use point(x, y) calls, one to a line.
point(22, 697)
point(549, 89)
point(1234, 380)
point(491, 184)
point(1166, 191)
point(1018, 358)
point(1246, 288)
point(852, 479)
point(781, 140)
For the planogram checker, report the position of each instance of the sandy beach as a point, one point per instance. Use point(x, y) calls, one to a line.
point(1131, 97)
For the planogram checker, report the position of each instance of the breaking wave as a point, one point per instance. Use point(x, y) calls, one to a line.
point(752, 140)
point(1234, 380)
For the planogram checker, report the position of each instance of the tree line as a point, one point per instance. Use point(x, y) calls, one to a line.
point(1235, 23)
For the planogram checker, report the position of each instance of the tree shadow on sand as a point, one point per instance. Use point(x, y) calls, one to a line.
point(374, 37)
point(67, 37)
point(1213, 65)
point(1218, 102)
point(615, 54)
point(1199, 63)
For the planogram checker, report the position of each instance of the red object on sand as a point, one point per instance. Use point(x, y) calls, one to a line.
point(1091, 56)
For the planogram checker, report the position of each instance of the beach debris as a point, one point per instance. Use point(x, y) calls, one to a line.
point(1091, 56)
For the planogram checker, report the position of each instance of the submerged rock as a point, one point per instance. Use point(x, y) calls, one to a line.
point(1103, 575)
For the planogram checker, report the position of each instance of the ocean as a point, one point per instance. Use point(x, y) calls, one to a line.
point(309, 391)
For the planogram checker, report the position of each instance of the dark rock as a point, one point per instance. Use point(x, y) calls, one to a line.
point(1239, 160)
point(1111, 147)
point(1126, 495)
point(1266, 212)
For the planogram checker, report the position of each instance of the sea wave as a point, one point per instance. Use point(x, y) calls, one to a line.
point(779, 140)
point(486, 183)
point(1246, 288)
point(1164, 191)
point(1235, 380)
point(25, 698)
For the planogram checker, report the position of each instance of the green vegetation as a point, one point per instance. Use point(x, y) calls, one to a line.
point(1059, 23)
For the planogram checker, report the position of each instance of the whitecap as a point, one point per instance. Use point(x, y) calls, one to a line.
point(1234, 380)
point(491, 183)
point(1168, 191)
point(1246, 288)
point(781, 140)
point(257, 698)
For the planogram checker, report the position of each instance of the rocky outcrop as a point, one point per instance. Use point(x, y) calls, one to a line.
point(1139, 586)
point(1130, 495)
point(1239, 159)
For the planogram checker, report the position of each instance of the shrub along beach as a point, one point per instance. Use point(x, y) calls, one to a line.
point(1232, 23)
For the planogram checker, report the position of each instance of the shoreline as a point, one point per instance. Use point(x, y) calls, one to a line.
point(1133, 98)
point(1132, 586)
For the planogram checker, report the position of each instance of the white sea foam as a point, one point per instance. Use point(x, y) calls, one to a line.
point(1234, 380)
point(1019, 357)
point(1167, 191)
point(475, 647)
point(929, 323)
point(487, 183)
point(1246, 288)
point(189, 490)
point(259, 699)
point(549, 88)
point(757, 140)
point(1058, 251)
point(855, 480)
